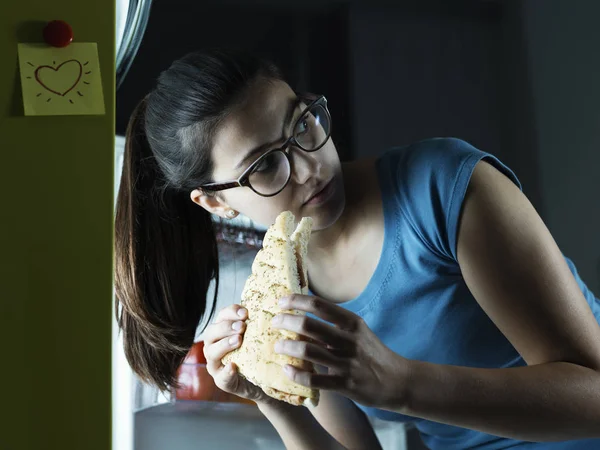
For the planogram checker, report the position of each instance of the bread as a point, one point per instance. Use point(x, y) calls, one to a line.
point(278, 270)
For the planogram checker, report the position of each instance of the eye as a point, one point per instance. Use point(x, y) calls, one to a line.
point(303, 125)
point(267, 164)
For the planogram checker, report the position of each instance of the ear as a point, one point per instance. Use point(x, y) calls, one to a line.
point(212, 203)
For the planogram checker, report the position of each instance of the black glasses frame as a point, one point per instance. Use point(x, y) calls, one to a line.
point(243, 179)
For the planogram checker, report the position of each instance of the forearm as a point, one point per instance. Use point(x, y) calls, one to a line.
point(343, 420)
point(546, 402)
point(298, 428)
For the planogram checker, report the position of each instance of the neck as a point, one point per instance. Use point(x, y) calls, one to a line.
point(335, 240)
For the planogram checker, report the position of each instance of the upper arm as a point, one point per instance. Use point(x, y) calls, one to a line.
point(432, 177)
point(518, 275)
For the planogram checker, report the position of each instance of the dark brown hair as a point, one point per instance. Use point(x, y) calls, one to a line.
point(165, 247)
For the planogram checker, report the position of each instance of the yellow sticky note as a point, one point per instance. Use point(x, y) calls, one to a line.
point(61, 81)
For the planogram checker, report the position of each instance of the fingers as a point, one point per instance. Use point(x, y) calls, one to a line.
point(310, 352)
point(232, 312)
point(328, 311)
point(225, 378)
point(228, 379)
point(217, 331)
point(317, 381)
point(312, 328)
point(223, 335)
point(215, 352)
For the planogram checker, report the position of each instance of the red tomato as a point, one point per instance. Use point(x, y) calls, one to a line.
point(196, 383)
point(196, 354)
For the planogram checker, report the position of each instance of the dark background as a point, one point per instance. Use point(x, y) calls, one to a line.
point(391, 73)
point(518, 79)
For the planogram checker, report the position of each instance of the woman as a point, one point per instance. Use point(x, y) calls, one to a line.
point(444, 298)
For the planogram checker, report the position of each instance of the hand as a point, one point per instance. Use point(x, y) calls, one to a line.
point(221, 337)
point(359, 365)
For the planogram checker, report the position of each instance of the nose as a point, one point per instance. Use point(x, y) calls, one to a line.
point(304, 165)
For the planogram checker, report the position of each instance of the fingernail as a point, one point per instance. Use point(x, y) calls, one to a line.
point(234, 340)
point(283, 301)
point(276, 320)
point(287, 369)
point(278, 346)
point(242, 312)
point(237, 325)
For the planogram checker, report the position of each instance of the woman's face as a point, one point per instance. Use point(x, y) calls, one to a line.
point(259, 121)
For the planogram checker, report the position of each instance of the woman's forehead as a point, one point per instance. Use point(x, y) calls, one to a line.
point(258, 120)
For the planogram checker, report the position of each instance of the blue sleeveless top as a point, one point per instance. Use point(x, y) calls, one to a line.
point(417, 302)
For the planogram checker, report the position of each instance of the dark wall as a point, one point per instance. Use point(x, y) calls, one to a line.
point(519, 135)
point(563, 56)
point(424, 73)
point(393, 72)
point(308, 44)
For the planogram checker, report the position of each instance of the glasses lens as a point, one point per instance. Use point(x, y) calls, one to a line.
point(312, 130)
point(271, 174)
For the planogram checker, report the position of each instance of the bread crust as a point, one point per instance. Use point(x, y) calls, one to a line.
point(278, 270)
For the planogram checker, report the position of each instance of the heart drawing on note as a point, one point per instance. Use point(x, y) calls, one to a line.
point(62, 79)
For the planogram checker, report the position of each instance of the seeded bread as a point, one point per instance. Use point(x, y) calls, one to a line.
point(277, 271)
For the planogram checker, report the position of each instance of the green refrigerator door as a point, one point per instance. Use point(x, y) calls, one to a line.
point(56, 222)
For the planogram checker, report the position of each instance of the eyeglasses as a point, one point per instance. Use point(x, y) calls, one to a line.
point(271, 172)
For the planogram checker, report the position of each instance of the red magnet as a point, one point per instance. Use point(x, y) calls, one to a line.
point(58, 33)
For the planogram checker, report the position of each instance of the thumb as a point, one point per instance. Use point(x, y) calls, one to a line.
point(229, 377)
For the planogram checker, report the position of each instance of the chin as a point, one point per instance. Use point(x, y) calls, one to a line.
point(328, 213)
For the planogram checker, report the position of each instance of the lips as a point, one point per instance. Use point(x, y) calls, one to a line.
point(318, 190)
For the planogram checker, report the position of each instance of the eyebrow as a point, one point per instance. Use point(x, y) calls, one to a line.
point(293, 105)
